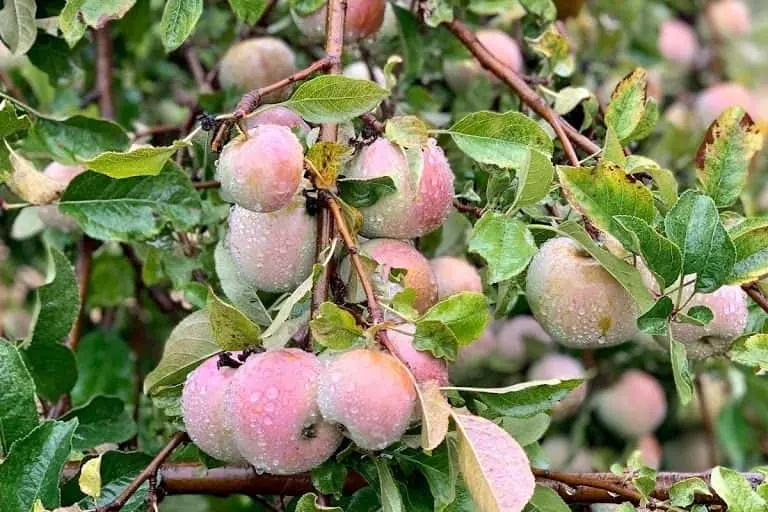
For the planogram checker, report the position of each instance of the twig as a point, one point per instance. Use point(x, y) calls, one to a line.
point(7, 81)
point(84, 265)
point(756, 295)
point(193, 478)
point(475, 211)
point(193, 61)
point(205, 185)
point(334, 48)
point(377, 316)
point(152, 469)
point(706, 419)
point(565, 132)
point(595, 480)
point(104, 71)
point(252, 99)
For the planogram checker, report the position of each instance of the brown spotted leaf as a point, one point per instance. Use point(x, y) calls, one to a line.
point(602, 192)
point(723, 159)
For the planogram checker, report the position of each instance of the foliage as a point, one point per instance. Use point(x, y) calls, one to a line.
point(139, 287)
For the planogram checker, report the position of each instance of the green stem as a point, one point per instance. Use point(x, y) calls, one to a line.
point(21, 104)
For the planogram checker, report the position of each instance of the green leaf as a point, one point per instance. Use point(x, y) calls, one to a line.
point(510, 140)
point(191, 342)
point(662, 257)
point(736, 491)
point(53, 368)
point(77, 14)
point(627, 108)
point(553, 46)
point(407, 131)
point(544, 9)
point(600, 193)
point(364, 193)
point(525, 399)
point(439, 471)
point(17, 25)
point(612, 150)
point(435, 337)
point(249, 11)
point(410, 41)
point(118, 469)
point(241, 292)
point(437, 12)
point(648, 122)
point(750, 239)
point(465, 314)
point(664, 179)
point(627, 275)
point(680, 370)
point(309, 503)
point(722, 161)
point(701, 315)
point(98, 350)
point(533, 181)
point(695, 227)
point(140, 161)
point(178, 21)
point(335, 99)
point(57, 303)
point(504, 243)
point(102, 420)
point(391, 500)
point(683, 493)
point(546, 500)
point(133, 208)
point(329, 477)
point(527, 430)
point(31, 470)
point(112, 281)
point(10, 122)
point(231, 328)
point(751, 351)
point(305, 7)
point(656, 320)
point(334, 327)
point(18, 412)
point(78, 138)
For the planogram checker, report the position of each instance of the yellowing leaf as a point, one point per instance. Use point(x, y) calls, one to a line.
point(90, 477)
point(495, 468)
point(435, 412)
point(29, 183)
point(326, 158)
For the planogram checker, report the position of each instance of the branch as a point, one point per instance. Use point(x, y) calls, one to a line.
point(104, 71)
point(377, 316)
point(334, 48)
point(754, 292)
point(582, 488)
point(151, 470)
point(565, 132)
point(252, 99)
